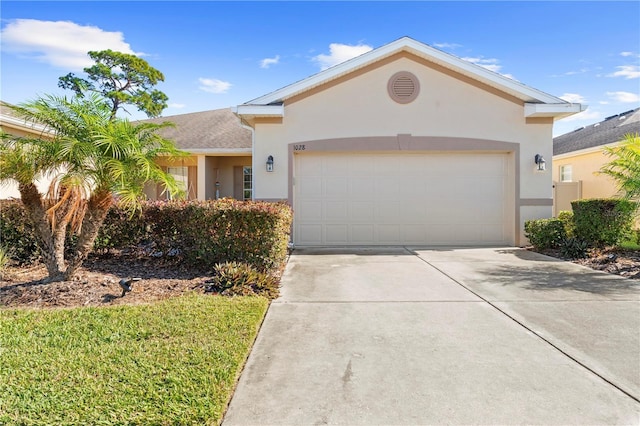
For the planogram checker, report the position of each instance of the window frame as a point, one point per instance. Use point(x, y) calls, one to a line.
point(566, 170)
point(247, 183)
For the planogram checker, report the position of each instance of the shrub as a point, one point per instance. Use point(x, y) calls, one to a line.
point(120, 230)
point(202, 233)
point(573, 248)
point(545, 233)
point(17, 233)
point(566, 217)
point(240, 279)
point(603, 221)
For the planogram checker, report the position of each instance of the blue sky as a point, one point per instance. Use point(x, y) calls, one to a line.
point(220, 54)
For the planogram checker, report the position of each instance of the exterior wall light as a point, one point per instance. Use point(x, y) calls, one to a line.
point(270, 163)
point(540, 163)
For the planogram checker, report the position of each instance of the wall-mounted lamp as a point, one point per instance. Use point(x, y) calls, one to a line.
point(540, 162)
point(270, 163)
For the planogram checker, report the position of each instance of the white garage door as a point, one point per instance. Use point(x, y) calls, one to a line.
point(401, 199)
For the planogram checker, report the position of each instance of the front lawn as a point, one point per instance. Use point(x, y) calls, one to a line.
point(172, 362)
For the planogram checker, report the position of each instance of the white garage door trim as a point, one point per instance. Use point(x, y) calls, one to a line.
point(339, 198)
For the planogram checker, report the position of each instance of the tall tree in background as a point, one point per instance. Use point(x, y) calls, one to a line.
point(625, 166)
point(90, 155)
point(121, 79)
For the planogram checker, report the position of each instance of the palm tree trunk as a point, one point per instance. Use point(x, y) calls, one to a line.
point(52, 253)
point(97, 210)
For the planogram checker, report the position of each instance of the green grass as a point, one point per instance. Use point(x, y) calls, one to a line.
point(173, 362)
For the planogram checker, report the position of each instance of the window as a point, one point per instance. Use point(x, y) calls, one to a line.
point(565, 173)
point(181, 175)
point(247, 189)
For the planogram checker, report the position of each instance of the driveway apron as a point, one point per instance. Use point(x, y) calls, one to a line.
point(443, 336)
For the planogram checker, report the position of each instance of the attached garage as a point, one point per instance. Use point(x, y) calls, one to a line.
point(405, 145)
point(402, 199)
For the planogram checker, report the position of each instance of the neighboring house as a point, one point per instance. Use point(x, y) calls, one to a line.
point(405, 145)
point(579, 155)
point(220, 161)
point(13, 125)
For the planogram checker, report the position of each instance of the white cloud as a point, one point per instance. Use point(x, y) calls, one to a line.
point(624, 97)
point(583, 116)
point(340, 53)
point(627, 71)
point(63, 44)
point(213, 85)
point(447, 45)
point(267, 62)
point(627, 54)
point(574, 98)
point(177, 106)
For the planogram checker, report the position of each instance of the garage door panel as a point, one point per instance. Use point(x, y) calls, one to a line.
point(362, 234)
point(389, 234)
point(361, 188)
point(336, 234)
point(308, 234)
point(336, 187)
point(414, 233)
point(416, 198)
point(335, 165)
point(387, 186)
point(310, 210)
point(362, 211)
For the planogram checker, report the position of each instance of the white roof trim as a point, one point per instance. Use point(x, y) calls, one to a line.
point(24, 124)
point(552, 110)
point(513, 87)
point(259, 110)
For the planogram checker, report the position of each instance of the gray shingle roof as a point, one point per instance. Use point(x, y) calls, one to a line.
point(218, 129)
point(609, 131)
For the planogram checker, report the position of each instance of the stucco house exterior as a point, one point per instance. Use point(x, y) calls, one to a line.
point(405, 145)
point(13, 125)
point(579, 155)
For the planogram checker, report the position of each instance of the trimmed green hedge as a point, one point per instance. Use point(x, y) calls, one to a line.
point(603, 221)
point(202, 233)
point(545, 233)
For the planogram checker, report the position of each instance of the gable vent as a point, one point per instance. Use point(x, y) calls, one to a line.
point(403, 87)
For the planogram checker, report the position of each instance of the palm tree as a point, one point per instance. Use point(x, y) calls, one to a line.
point(625, 166)
point(91, 158)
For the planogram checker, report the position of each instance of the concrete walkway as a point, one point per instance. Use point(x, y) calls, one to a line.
point(443, 336)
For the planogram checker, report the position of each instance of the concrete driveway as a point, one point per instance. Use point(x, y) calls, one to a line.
point(443, 336)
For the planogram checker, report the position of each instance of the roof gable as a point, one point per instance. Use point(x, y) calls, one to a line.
point(609, 131)
point(467, 69)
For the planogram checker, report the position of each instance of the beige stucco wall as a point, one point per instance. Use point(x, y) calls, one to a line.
point(584, 167)
point(10, 189)
point(445, 107)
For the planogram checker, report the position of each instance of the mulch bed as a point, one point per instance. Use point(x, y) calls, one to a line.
point(96, 283)
point(617, 261)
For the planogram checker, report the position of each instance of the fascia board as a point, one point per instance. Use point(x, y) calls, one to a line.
point(552, 109)
point(260, 110)
point(24, 125)
point(420, 49)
